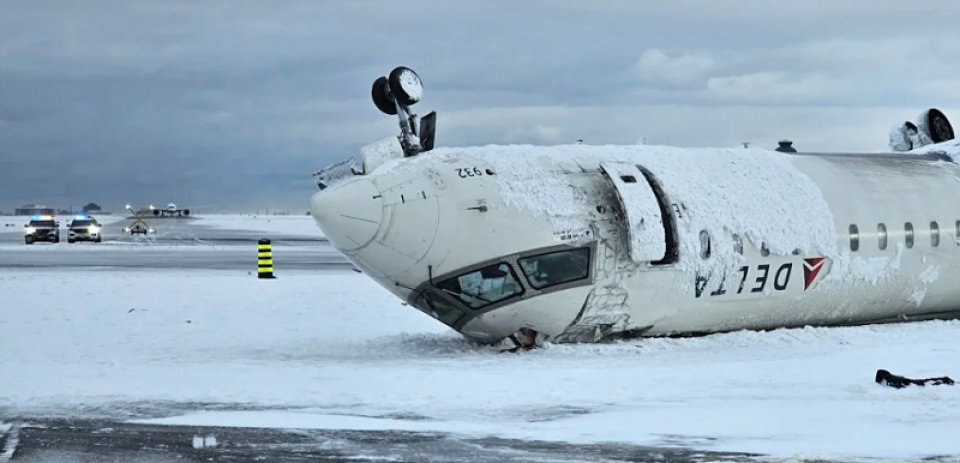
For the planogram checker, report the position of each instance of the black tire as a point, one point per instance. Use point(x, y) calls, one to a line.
point(98, 240)
point(27, 241)
point(70, 241)
point(939, 126)
point(402, 95)
point(382, 98)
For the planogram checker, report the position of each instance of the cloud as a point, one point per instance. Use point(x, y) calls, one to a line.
point(656, 66)
point(237, 102)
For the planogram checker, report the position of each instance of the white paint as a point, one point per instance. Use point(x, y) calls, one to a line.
point(202, 442)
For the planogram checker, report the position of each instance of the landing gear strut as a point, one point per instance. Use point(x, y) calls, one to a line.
point(393, 96)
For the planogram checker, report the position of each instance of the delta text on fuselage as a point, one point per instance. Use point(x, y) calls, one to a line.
point(516, 245)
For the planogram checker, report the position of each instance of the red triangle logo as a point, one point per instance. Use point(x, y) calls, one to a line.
point(811, 268)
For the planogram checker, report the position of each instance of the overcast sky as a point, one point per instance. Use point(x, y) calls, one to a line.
point(233, 104)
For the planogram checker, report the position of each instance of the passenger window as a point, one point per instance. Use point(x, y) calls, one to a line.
point(934, 234)
point(704, 244)
point(854, 238)
point(556, 268)
point(908, 233)
point(485, 286)
point(882, 236)
point(738, 244)
point(764, 250)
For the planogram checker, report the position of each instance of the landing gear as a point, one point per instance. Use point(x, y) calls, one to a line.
point(393, 95)
point(936, 125)
point(931, 127)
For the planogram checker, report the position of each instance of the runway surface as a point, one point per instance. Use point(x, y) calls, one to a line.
point(104, 441)
point(168, 231)
point(177, 244)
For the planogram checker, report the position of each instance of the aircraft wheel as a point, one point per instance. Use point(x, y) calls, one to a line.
point(382, 98)
point(405, 85)
point(939, 126)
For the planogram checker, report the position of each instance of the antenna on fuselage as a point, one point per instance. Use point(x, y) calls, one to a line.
point(786, 146)
point(745, 144)
point(394, 95)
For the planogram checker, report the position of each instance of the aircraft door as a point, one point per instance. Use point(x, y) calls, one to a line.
point(643, 211)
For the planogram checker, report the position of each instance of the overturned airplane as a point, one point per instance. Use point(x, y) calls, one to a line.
point(517, 245)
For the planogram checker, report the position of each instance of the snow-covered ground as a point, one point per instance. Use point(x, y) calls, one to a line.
point(303, 225)
point(334, 350)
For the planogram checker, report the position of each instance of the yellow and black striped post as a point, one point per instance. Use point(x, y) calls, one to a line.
point(264, 259)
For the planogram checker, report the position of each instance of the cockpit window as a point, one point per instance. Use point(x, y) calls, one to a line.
point(484, 286)
point(556, 268)
point(444, 311)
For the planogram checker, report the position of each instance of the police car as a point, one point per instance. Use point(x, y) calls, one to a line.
point(41, 228)
point(84, 228)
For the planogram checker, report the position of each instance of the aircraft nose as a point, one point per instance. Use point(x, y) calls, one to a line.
point(349, 214)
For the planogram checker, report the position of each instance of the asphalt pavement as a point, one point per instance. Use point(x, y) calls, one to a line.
point(94, 441)
point(177, 244)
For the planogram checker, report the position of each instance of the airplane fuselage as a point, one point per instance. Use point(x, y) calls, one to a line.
point(581, 243)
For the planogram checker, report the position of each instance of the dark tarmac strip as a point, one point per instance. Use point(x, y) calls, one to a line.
point(92, 441)
point(318, 257)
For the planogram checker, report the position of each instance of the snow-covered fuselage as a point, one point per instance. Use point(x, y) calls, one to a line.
point(580, 243)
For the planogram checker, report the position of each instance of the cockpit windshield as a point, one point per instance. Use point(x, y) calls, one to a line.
point(483, 287)
point(556, 268)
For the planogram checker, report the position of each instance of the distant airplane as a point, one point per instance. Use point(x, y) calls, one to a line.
point(170, 210)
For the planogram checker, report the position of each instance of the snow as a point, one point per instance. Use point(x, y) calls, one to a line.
point(849, 268)
point(303, 225)
point(335, 350)
point(411, 85)
point(712, 185)
point(949, 148)
point(640, 205)
point(337, 172)
point(379, 152)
